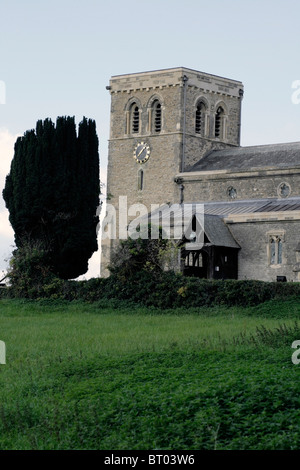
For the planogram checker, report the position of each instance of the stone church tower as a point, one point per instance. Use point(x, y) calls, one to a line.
point(179, 114)
point(161, 124)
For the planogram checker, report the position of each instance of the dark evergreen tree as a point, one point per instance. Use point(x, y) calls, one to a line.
point(52, 193)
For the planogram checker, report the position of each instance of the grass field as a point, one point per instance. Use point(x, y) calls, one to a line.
point(90, 376)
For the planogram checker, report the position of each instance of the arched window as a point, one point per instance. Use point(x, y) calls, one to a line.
point(219, 122)
point(200, 118)
point(132, 117)
point(156, 113)
point(135, 118)
point(157, 117)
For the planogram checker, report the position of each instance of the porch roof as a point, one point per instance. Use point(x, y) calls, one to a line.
point(177, 219)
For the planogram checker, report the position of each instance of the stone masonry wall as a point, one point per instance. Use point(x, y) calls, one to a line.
point(253, 258)
point(198, 145)
point(215, 187)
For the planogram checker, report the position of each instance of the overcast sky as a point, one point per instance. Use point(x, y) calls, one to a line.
point(57, 57)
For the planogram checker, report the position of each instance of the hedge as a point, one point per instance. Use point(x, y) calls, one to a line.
point(166, 290)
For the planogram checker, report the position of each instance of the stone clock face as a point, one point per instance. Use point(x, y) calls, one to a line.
point(141, 152)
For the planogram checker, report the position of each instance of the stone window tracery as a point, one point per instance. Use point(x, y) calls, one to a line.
point(275, 249)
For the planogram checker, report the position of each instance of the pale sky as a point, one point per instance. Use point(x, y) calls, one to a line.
point(57, 57)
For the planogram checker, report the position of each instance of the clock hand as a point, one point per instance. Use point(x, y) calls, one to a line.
point(141, 151)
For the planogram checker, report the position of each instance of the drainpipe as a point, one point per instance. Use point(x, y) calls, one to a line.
point(184, 80)
point(181, 193)
point(179, 181)
point(241, 93)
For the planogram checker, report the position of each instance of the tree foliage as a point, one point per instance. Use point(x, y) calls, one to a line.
point(52, 192)
point(143, 254)
point(29, 271)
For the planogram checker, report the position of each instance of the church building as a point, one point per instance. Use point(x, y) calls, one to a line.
point(175, 142)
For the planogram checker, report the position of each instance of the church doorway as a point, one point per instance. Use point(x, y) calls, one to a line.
point(196, 264)
point(211, 263)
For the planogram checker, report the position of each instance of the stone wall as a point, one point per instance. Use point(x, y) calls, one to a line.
point(254, 256)
point(212, 95)
point(214, 186)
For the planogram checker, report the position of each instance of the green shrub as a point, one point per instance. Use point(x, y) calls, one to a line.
point(159, 289)
point(143, 254)
point(29, 271)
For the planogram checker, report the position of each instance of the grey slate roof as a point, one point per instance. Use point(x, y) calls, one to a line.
point(218, 233)
point(211, 214)
point(252, 205)
point(250, 158)
point(214, 227)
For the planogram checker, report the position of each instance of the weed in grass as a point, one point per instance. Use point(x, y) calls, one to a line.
point(280, 336)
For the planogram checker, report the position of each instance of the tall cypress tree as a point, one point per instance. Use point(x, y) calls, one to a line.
point(52, 192)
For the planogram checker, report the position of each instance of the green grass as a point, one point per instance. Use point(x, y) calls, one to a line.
point(90, 376)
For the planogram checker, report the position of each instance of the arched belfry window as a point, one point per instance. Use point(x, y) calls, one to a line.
point(132, 121)
point(200, 118)
point(155, 116)
point(134, 118)
point(219, 123)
